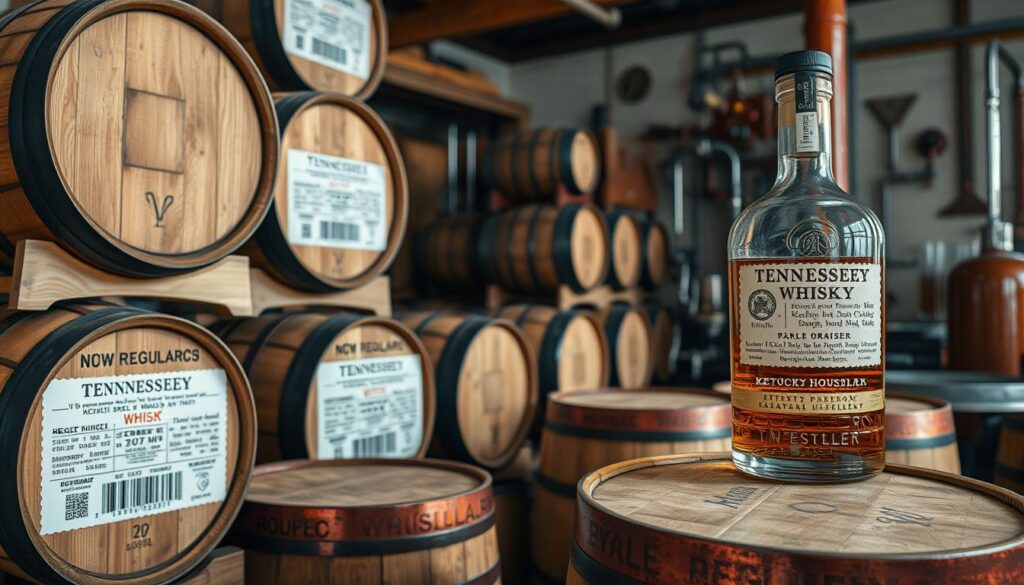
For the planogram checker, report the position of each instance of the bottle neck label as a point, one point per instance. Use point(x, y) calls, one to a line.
point(806, 113)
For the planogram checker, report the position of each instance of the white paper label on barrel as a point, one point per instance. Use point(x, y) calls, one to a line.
point(121, 447)
point(333, 33)
point(370, 407)
point(336, 202)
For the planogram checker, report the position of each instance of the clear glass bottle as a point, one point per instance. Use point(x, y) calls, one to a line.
point(807, 315)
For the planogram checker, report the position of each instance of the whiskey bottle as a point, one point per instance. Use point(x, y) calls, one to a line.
point(806, 282)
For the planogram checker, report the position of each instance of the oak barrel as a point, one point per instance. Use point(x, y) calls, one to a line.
point(656, 254)
point(666, 341)
point(919, 431)
point(630, 341)
point(485, 374)
point(335, 386)
point(624, 245)
point(696, 519)
point(536, 164)
point(128, 433)
point(571, 347)
point(319, 45)
point(586, 430)
point(82, 87)
point(341, 200)
point(1009, 471)
point(447, 253)
point(539, 248)
point(369, 522)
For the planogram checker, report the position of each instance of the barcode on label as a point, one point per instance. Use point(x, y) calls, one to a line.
point(76, 506)
point(335, 230)
point(370, 446)
point(328, 51)
point(141, 491)
point(307, 231)
point(300, 42)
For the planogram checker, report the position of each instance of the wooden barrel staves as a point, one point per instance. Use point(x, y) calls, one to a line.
point(369, 521)
point(536, 164)
point(624, 244)
point(629, 337)
point(485, 374)
point(666, 341)
point(83, 87)
point(919, 431)
point(341, 199)
point(656, 254)
point(539, 248)
point(130, 438)
point(335, 386)
point(586, 430)
point(695, 519)
point(337, 47)
point(447, 253)
point(1009, 471)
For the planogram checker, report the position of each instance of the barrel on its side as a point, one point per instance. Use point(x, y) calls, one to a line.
point(369, 521)
point(82, 87)
point(341, 199)
point(629, 338)
point(656, 254)
point(666, 341)
point(86, 387)
point(335, 386)
point(485, 373)
point(589, 429)
point(535, 164)
point(539, 248)
point(447, 253)
point(693, 519)
point(624, 244)
point(919, 431)
point(334, 47)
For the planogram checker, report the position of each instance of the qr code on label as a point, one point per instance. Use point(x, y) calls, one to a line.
point(76, 506)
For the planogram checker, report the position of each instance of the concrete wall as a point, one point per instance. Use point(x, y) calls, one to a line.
point(561, 90)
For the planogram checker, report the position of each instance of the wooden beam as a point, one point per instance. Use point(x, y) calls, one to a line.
point(454, 19)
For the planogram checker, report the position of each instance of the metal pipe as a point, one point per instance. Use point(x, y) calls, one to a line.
point(609, 17)
point(678, 204)
point(954, 33)
point(708, 145)
point(992, 123)
point(453, 169)
point(471, 170)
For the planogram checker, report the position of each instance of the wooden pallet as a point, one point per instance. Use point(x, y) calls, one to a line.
point(270, 293)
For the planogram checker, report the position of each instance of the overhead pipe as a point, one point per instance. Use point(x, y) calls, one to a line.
point(609, 17)
point(998, 234)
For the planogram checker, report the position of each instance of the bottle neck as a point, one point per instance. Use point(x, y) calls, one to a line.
point(805, 128)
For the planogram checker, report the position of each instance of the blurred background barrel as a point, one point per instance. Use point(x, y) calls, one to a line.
point(334, 47)
point(656, 254)
point(84, 382)
point(341, 199)
point(624, 245)
point(1009, 471)
point(448, 255)
point(81, 166)
point(512, 520)
point(919, 431)
point(485, 374)
point(588, 429)
point(335, 386)
point(539, 248)
point(373, 522)
point(535, 164)
point(666, 340)
point(629, 338)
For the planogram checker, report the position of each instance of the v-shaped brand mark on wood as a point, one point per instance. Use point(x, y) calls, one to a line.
point(159, 209)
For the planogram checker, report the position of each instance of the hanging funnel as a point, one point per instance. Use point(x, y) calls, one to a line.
point(890, 111)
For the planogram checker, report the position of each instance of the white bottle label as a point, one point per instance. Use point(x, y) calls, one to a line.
point(121, 447)
point(810, 315)
point(370, 407)
point(336, 202)
point(333, 33)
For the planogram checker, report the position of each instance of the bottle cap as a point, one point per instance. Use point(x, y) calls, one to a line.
point(815, 61)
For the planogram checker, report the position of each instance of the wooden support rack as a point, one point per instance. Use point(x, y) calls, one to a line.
point(501, 202)
point(564, 297)
point(270, 293)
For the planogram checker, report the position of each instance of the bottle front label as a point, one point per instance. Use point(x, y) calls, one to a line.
point(121, 447)
point(333, 33)
point(809, 315)
point(370, 407)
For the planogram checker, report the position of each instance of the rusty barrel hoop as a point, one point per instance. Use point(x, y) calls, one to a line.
point(919, 429)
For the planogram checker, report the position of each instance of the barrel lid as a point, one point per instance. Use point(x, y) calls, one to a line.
point(966, 391)
point(648, 410)
point(681, 513)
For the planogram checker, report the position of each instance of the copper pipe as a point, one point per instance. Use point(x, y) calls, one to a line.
point(825, 30)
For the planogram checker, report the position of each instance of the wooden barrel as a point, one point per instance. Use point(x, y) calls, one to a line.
point(629, 338)
point(512, 520)
point(130, 437)
point(447, 253)
point(539, 248)
point(586, 430)
point(536, 164)
point(82, 88)
point(369, 522)
point(919, 431)
point(656, 254)
point(335, 386)
point(341, 199)
point(624, 245)
point(666, 340)
point(696, 519)
point(1009, 471)
point(571, 348)
point(486, 378)
point(337, 47)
